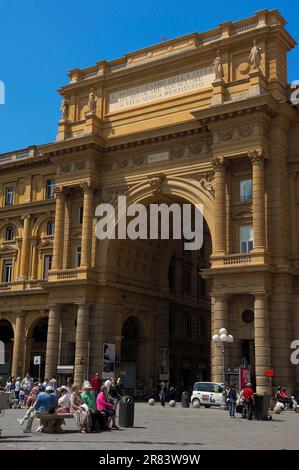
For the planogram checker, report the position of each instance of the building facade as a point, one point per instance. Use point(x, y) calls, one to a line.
point(201, 119)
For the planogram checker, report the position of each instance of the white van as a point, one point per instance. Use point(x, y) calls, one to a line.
point(207, 394)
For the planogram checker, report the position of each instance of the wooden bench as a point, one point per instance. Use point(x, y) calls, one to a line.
point(52, 423)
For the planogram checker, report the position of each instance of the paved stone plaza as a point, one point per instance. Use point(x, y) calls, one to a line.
point(163, 429)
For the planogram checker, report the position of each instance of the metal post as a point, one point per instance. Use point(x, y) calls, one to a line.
point(224, 395)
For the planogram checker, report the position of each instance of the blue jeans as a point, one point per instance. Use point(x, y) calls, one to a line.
point(232, 407)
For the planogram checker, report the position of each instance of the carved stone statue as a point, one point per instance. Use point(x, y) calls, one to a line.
point(218, 67)
point(65, 109)
point(92, 102)
point(254, 58)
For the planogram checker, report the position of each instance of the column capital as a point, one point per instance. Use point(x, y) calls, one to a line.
point(86, 187)
point(26, 217)
point(83, 305)
point(219, 297)
point(19, 313)
point(257, 156)
point(59, 192)
point(261, 295)
point(55, 307)
point(219, 163)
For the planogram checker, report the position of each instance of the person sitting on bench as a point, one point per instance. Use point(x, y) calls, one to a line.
point(103, 405)
point(45, 403)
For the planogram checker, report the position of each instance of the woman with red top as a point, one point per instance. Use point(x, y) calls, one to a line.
point(105, 406)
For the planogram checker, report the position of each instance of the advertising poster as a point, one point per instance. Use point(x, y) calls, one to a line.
point(108, 360)
point(164, 364)
point(244, 376)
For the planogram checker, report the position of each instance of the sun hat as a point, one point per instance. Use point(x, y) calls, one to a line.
point(87, 384)
point(49, 389)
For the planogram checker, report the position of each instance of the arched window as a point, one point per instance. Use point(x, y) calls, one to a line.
point(9, 233)
point(50, 227)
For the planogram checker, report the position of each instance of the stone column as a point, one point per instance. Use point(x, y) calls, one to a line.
point(18, 263)
point(24, 262)
point(258, 199)
point(262, 344)
point(296, 337)
point(52, 350)
point(59, 229)
point(34, 260)
point(87, 225)
point(220, 206)
point(82, 344)
point(293, 215)
point(220, 319)
point(18, 347)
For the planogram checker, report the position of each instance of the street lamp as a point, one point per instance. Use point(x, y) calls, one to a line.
point(221, 339)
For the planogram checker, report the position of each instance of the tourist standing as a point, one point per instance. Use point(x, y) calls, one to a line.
point(248, 395)
point(96, 383)
point(232, 401)
point(17, 387)
point(163, 393)
point(27, 384)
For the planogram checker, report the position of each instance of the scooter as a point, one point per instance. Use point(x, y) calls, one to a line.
point(280, 407)
point(295, 405)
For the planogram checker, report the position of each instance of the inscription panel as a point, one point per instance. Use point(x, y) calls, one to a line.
point(161, 89)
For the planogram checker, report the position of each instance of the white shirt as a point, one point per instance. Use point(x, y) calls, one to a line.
point(53, 383)
point(17, 386)
point(108, 384)
point(64, 400)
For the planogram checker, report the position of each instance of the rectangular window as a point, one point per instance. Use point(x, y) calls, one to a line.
point(186, 281)
point(78, 256)
point(187, 326)
point(171, 277)
point(47, 265)
point(80, 215)
point(246, 190)
point(246, 238)
point(7, 270)
point(50, 227)
point(9, 196)
point(201, 287)
point(200, 328)
point(50, 188)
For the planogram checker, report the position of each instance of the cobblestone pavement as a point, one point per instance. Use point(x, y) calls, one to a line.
point(158, 428)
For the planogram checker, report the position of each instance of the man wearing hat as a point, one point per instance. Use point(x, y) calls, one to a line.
point(64, 400)
point(90, 400)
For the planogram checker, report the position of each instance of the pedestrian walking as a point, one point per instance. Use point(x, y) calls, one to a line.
point(163, 393)
point(232, 401)
point(248, 395)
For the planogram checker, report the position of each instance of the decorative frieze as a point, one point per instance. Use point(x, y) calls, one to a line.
point(200, 149)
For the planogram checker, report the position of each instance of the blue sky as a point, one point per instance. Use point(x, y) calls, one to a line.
point(41, 40)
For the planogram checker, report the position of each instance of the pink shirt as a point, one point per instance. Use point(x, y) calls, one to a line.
point(102, 402)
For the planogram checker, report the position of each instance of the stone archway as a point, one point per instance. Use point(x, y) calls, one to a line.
point(37, 338)
point(7, 337)
point(140, 269)
point(133, 355)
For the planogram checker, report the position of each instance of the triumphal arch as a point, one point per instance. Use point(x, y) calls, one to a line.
point(207, 119)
